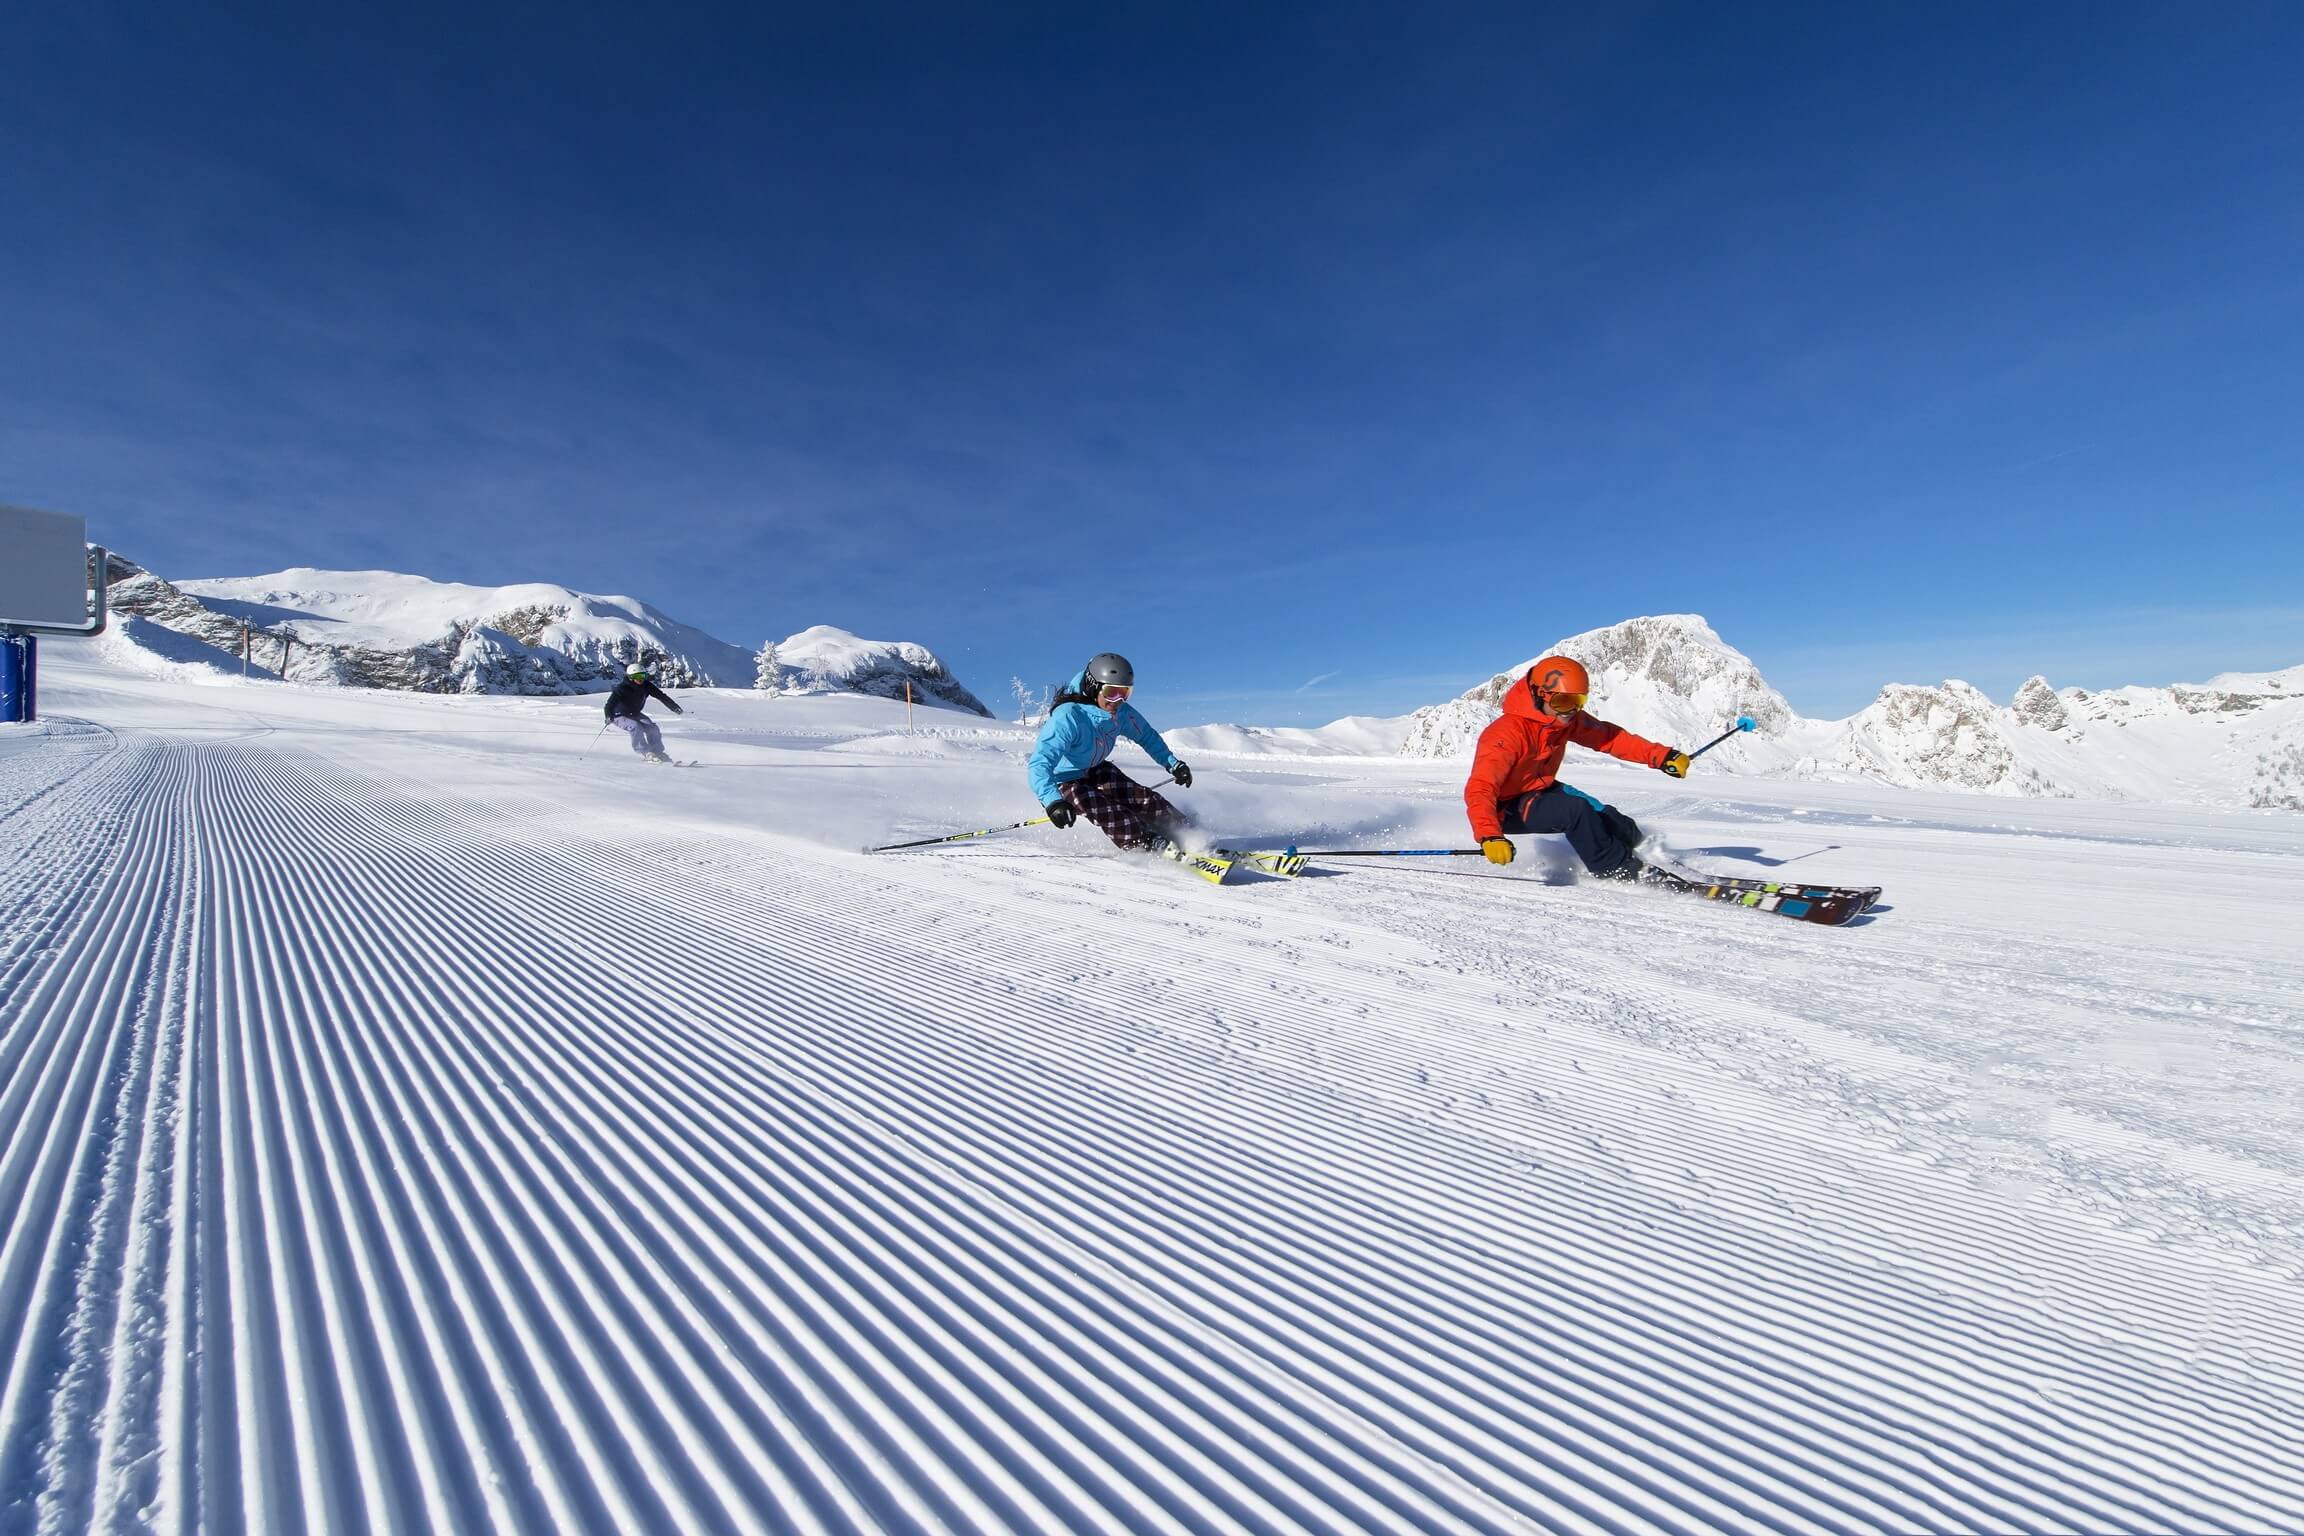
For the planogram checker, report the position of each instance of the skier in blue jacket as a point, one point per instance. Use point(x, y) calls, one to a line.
point(1069, 771)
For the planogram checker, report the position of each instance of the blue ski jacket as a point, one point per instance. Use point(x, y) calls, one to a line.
point(1076, 737)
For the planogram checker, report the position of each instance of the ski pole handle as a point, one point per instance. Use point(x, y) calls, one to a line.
point(1743, 723)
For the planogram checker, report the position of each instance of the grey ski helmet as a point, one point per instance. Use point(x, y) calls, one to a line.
point(1109, 669)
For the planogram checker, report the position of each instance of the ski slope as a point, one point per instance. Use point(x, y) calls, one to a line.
point(410, 1122)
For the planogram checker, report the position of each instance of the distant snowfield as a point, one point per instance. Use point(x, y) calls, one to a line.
point(417, 1115)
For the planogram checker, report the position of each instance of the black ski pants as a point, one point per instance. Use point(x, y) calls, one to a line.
point(1602, 835)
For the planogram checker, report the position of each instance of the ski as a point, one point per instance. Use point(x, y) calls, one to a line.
point(1870, 893)
point(1212, 866)
point(1831, 905)
point(1286, 863)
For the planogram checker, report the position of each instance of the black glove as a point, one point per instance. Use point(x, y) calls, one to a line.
point(1060, 812)
point(676, 709)
point(1182, 774)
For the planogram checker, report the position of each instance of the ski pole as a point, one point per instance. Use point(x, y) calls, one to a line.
point(1395, 853)
point(595, 741)
point(1743, 723)
point(961, 837)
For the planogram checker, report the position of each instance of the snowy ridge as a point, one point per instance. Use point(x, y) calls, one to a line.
point(1668, 678)
point(384, 629)
point(1951, 737)
point(1352, 736)
point(2235, 740)
point(2238, 740)
point(381, 629)
point(881, 1194)
point(829, 660)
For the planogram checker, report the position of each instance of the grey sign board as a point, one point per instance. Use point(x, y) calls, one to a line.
point(43, 567)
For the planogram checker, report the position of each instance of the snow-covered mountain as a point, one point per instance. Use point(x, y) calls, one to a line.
point(1667, 677)
point(828, 660)
point(2237, 739)
point(382, 629)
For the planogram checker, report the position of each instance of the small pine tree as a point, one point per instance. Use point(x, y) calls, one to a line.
point(768, 674)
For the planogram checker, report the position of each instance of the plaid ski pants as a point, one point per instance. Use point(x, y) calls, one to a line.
point(1123, 810)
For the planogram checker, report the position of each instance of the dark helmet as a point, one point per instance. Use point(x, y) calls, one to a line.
point(1110, 669)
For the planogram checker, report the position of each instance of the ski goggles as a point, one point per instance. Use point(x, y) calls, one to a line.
point(1114, 693)
point(1565, 703)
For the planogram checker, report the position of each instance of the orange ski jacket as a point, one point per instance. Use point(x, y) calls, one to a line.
point(1520, 754)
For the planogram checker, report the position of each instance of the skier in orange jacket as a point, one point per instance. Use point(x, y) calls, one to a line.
point(1515, 788)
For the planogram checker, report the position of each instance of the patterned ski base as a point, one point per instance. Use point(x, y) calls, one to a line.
point(1831, 905)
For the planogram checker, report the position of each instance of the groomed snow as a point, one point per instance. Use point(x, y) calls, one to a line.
point(418, 1115)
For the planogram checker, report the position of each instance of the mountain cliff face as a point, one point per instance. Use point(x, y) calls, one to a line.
point(2238, 739)
point(1668, 678)
point(381, 629)
point(1951, 737)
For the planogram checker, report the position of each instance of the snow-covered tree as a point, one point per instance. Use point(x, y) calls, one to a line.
point(1031, 704)
point(768, 672)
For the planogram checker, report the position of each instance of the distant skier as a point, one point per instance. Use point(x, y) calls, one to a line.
point(1068, 771)
point(627, 703)
point(1514, 787)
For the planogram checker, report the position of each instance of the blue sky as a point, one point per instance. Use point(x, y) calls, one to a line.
point(1324, 359)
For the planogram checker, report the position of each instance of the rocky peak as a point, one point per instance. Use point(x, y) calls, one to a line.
point(2037, 704)
point(825, 659)
point(1946, 737)
point(1667, 677)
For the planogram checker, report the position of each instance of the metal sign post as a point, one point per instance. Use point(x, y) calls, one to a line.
point(19, 678)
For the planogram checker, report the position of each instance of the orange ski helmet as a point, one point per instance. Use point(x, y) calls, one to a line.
point(1558, 678)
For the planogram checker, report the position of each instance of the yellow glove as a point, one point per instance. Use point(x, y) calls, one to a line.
point(1498, 849)
point(1675, 765)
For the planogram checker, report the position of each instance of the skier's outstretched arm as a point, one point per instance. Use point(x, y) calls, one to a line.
point(1139, 730)
point(1606, 736)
